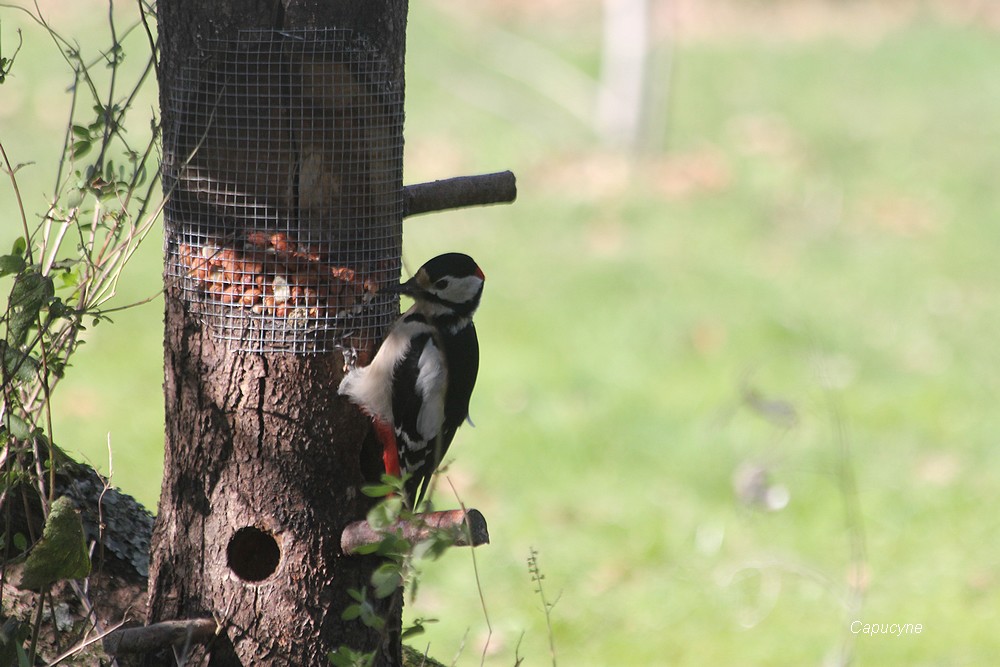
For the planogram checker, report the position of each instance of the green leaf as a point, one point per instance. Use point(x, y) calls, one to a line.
point(377, 490)
point(62, 551)
point(75, 197)
point(81, 131)
point(396, 483)
point(434, 546)
point(17, 427)
point(18, 364)
point(31, 291)
point(393, 545)
point(80, 148)
point(384, 514)
point(372, 620)
point(58, 308)
point(19, 322)
point(366, 549)
point(352, 612)
point(19, 247)
point(345, 656)
point(11, 264)
point(417, 628)
point(386, 579)
point(57, 367)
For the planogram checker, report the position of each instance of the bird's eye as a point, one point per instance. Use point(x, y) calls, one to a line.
point(441, 284)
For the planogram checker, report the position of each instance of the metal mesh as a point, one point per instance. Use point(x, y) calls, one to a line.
point(283, 168)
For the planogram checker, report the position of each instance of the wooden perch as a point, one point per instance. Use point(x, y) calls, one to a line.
point(459, 192)
point(148, 638)
point(469, 527)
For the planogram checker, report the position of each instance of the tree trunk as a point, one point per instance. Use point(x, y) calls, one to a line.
point(263, 460)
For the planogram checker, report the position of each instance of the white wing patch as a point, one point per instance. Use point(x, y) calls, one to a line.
point(432, 380)
point(370, 387)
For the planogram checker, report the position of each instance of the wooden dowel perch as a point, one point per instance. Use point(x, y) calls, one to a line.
point(148, 638)
point(459, 192)
point(472, 534)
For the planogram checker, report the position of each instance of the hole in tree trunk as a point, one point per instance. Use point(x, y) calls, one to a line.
point(253, 554)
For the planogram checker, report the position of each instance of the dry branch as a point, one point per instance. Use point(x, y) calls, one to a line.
point(149, 638)
point(469, 528)
point(459, 192)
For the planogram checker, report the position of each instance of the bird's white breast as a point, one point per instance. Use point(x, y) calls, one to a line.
point(370, 387)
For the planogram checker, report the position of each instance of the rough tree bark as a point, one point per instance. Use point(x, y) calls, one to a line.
point(263, 460)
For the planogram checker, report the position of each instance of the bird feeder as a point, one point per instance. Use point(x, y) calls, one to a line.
point(284, 207)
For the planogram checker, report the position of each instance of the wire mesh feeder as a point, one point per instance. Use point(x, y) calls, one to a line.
point(283, 170)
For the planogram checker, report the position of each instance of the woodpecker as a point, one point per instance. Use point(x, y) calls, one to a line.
point(418, 386)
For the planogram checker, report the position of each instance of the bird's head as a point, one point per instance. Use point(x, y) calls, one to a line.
point(448, 285)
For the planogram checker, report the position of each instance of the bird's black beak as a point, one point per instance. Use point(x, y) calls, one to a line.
point(409, 288)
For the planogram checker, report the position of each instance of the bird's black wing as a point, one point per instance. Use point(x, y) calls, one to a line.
point(419, 386)
point(462, 353)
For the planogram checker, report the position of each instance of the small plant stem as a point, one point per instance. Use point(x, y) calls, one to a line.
point(37, 629)
point(20, 203)
point(537, 576)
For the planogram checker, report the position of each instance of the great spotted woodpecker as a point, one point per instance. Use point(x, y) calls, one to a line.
point(417, 388)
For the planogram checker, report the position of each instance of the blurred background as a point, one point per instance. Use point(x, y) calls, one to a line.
point(739, 336)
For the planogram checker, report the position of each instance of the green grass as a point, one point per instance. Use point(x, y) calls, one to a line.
point(840, 257)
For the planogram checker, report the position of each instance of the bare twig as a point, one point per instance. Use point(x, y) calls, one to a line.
point(84, 643)
point(143, 11)
point(459, 192)
point(10, 170)
point(167, 633)
point(37, 627)
point(473, 533)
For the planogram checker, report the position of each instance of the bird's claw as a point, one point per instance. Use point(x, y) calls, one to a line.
point(350, 359)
